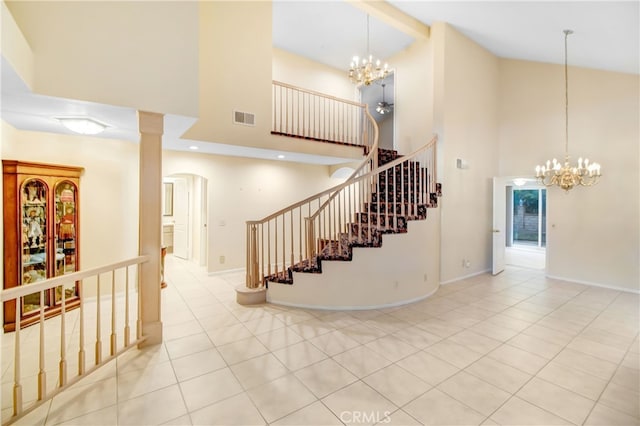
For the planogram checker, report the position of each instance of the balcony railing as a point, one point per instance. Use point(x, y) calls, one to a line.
point(278, 241)
point(108, 318)
point(307, 114)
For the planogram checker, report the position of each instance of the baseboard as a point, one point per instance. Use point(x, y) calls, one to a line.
point(589, 283)
point(465, 277)
point(353, 308)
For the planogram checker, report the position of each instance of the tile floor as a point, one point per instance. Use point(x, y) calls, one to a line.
point(515, 349)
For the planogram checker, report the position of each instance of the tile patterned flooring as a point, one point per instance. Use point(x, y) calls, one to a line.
point(515, 349)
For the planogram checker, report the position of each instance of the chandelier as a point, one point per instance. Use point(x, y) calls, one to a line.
point(366, 70)
point(565, 175)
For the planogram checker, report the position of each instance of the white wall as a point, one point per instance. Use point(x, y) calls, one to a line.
point(241, 189)
point(593, 234)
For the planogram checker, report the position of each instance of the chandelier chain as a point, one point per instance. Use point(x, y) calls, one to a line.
point(566, 96)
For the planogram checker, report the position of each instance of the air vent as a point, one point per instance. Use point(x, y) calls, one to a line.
point(244, 118)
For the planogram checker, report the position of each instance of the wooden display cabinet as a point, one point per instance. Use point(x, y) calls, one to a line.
point(41, 235)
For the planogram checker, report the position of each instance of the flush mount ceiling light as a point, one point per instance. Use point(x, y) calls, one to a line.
point(193, 147)
point(564, 174)
point(519, 181)
point(82, 124)
point(384, 107)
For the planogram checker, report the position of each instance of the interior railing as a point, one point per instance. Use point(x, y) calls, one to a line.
point(307, 114)
point(278, 241)
point(327, 224)
point(363, 208)
point(113, 310)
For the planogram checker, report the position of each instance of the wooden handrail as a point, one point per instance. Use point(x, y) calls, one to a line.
point(378, 170)
point(322, 95)
point(23, 290)
point(117, 346)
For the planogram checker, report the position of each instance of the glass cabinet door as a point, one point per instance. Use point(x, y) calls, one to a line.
point(33, 198)
point(66, 235)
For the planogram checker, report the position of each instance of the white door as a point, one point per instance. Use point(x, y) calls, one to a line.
point(499, 224)
point(181, 219)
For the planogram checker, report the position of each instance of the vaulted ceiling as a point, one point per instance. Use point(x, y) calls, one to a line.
point(331, 32)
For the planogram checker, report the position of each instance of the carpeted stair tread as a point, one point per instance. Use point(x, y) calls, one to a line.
point(391, 205)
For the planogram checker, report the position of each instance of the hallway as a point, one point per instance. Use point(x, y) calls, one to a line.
point(511, 349)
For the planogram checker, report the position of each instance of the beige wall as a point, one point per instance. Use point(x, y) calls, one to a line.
point(108, 187)
point(235, 73)
point(307, 74)
point(241, 189)
point(15, 48)
point(593, 234)
point(466, 76)
point(142, 55)
point(413, 108)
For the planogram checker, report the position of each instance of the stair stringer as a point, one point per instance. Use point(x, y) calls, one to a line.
point(367, 281)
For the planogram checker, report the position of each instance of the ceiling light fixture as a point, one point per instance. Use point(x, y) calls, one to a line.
point(519, 181)
point(565, 175)
point(193, 147)
point(280, 156)
point(384, 107)
point(366, 70)
point(82, 125)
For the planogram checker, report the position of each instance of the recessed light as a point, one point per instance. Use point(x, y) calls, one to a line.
point(193, 147)
point(82, 124)
point(280, 156)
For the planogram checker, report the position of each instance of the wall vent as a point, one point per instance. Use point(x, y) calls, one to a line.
point(244, 118)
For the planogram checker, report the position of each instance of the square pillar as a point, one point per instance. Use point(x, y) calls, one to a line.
point(150, 217)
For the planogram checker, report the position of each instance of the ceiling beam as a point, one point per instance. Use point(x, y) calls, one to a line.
point(394, 17)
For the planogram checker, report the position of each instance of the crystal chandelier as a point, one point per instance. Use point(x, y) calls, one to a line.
point(366, 70)
point(565, 175)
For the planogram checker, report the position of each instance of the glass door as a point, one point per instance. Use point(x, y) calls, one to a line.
point(66, 257)
point(34, 240)
point(529, 217)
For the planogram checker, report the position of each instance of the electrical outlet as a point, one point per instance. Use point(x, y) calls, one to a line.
point(425, 278)
point(467, 264)
point(222, 259)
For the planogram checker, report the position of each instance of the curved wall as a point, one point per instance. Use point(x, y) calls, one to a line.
point(369, 281)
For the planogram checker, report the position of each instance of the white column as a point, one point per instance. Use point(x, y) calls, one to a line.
point(150, 216)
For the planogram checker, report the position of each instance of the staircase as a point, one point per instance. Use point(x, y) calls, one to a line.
point(396, 198)
point(384, 193)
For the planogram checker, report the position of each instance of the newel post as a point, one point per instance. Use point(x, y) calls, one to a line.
point(150, 217)
point(253, 292)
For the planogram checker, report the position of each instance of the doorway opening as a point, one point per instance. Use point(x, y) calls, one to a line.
point(527, 226)
point(184, 224)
